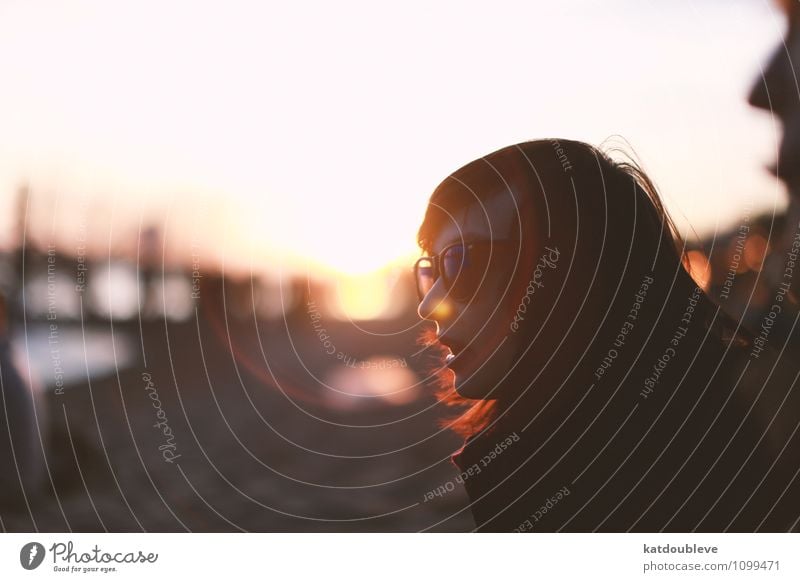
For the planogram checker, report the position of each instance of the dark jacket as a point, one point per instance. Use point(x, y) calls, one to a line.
point(711, 445)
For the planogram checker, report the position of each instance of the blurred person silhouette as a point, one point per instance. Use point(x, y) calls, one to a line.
point(776, 90)
point(598, 387)
point(150, 258)
point(22, 417)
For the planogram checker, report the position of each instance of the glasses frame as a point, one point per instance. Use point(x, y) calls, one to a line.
point(436, 263)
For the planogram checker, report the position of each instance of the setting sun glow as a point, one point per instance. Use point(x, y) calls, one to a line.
point(326, 141)
point(362, 297)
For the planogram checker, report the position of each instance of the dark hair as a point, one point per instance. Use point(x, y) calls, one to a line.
point(613, 234)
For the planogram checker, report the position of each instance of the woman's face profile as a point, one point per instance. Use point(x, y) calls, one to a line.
point(476, 328)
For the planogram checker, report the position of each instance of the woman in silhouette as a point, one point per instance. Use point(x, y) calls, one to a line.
point(599, 388)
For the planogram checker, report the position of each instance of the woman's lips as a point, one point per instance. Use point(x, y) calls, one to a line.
point(459, 354)
point(457, 362)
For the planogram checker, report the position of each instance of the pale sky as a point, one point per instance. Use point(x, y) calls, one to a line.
point(317, 130)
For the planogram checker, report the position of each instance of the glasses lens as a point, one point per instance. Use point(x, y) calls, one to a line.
point(463, 268)
point(425, 277)
point(453, 261)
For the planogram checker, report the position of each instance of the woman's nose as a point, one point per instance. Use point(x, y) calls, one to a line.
point(435, 305)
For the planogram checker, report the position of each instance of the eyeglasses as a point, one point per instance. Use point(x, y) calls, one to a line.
point(462, 267)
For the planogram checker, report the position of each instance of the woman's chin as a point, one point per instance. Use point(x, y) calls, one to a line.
point(473, 387)
point(482, 383)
